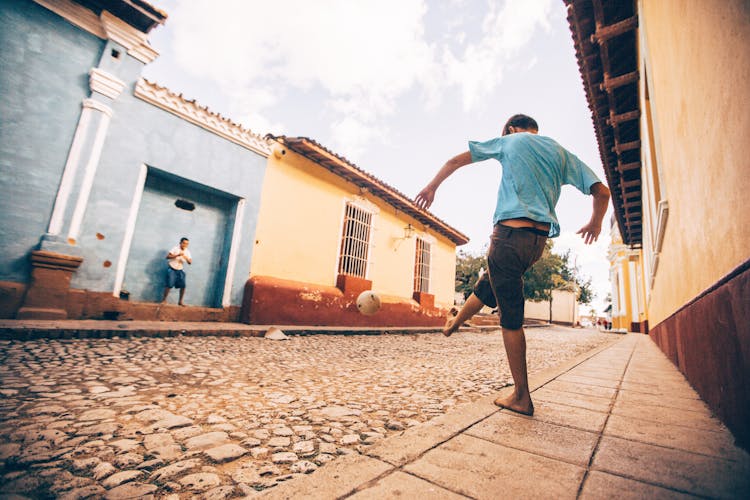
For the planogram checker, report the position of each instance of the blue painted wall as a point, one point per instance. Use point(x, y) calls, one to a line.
point(35, 141)
point(44, 65)
point(160, 226)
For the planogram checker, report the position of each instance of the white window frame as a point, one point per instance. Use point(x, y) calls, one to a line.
point(371, 210)
point(419, 265)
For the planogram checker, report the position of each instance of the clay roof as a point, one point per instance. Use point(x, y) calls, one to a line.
point(605, 35)
point(342, 167)
point(137, 13)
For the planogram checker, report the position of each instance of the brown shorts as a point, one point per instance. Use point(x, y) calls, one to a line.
point(512, 252)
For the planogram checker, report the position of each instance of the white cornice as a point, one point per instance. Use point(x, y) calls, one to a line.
point(106, 26)
point(163, 98)
point(77, 15)
point(99, 106)
point(135, 41)
point(105, 83)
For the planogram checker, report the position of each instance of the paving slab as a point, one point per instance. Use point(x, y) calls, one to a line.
point(535, 436)
point(338, 478)
point(675, 469)
point(585, 389)
point(402, 485)
point(570, 416)
point(482, 469)
point(714, 443)
point(579, 379)
point(600, 485)
point(668, 415)
point(654, 401)
point(579, 400)
point(410, 444)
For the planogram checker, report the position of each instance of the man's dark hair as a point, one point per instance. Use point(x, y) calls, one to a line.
point(183, 239)
point(520, 121)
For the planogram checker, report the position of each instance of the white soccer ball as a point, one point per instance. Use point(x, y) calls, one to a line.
point(368, 302)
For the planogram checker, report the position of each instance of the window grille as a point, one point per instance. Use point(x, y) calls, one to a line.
point(422, 266)
point(355, 241)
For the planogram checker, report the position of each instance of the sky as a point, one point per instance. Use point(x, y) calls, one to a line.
point(397, 87)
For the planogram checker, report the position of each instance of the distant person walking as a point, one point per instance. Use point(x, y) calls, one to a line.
point(534, 169)
point(175, 272)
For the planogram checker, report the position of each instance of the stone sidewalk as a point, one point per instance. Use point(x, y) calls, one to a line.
point(617, 422)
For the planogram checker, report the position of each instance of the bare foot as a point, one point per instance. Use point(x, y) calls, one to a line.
point(450, 327)
point(522, 405)
point(181, 304)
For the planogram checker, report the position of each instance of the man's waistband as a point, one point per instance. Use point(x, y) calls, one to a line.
point(540, 232)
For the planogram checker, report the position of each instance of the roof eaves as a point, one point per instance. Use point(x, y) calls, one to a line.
point(605, 38)
point(318, 153)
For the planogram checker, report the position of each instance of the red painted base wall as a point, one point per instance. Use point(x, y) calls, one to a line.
point(709, 341)
point(273, 301)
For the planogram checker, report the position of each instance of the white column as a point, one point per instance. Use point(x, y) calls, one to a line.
point(90, 171)
point(232, 261)
point(633, 292)
point(71, 166)
point(129, 230)
point(88, 140)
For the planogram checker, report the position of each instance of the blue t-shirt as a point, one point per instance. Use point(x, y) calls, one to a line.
point(534, 169)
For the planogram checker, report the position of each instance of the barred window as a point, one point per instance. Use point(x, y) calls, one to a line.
point(355, 241)
point(422, 266)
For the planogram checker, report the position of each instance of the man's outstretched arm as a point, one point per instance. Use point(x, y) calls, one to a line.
point(427, 195)
point(590, 232)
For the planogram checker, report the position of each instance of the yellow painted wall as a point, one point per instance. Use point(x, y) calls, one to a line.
point(299, 232)
point(629, 289)
point(698, 66)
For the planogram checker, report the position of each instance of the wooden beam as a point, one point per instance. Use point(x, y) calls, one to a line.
point(623, 167)
point(604, 33)
point(623, 117)
point(621, 147)
point(611, 83)
point(633, 183)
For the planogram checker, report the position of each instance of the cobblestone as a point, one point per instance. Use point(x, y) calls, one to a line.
point(222, 417)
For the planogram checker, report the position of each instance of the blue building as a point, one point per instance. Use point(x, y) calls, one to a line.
point(102, 172)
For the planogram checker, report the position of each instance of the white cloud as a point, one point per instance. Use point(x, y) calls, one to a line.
point(478, 70)
point(363, 55)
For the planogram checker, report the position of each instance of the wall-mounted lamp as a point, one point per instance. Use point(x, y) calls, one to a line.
point(409, 232)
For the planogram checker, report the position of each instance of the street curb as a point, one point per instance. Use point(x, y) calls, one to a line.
point(103, 329)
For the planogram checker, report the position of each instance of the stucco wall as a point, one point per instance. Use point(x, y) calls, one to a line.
point(44, 77)
point(299, 232)
point(698, 70)
point(44, 64)
point(142, 134)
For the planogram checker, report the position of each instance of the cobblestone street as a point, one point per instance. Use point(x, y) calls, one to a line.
point(226, 417)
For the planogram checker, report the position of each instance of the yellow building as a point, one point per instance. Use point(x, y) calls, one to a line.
point(667, 84)
point(327, 231)
point(628, 310)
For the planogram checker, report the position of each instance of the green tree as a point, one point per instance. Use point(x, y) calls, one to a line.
point(467, 270)
point(555, 272)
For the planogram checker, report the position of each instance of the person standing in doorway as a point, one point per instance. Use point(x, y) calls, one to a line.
point(534, 169)
point(175, 270)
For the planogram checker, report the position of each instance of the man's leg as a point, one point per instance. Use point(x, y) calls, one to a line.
point(515, 348)
point(182, 294)
point(472, 306)
point(166, 292)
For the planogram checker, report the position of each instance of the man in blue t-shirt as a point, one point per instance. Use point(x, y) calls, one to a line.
point(534, 169)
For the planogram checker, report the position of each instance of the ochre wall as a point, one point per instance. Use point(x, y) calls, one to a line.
point(299, 231)
point(699, 74)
